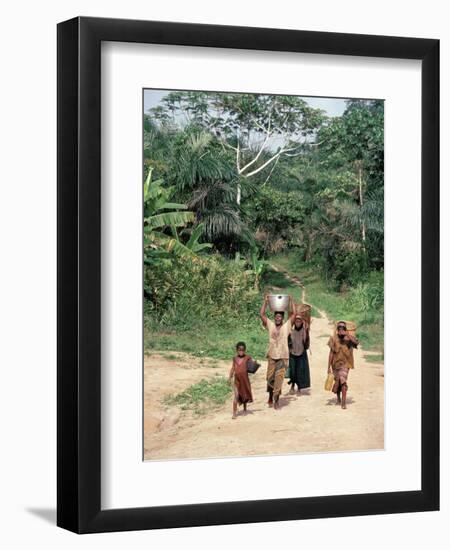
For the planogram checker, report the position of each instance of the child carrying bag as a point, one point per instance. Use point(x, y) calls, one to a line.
point(252, 366)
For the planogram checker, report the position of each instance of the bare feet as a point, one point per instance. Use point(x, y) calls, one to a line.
point(292, 391)
point(234, 417)
point(344, 398)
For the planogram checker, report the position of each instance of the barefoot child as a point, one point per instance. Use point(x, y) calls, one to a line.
point(340, 360)
point(278, 352)
point(242, 388)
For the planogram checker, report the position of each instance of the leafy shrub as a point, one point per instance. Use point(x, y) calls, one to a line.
point(344, 268)
point(367, 297)
point(276, 218)
point(185, 291)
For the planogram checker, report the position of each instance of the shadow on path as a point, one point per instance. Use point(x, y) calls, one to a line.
point(332, 401)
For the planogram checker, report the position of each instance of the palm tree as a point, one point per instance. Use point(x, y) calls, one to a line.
point(205, 177)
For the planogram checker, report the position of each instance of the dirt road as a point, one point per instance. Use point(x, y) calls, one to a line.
point(308, 423)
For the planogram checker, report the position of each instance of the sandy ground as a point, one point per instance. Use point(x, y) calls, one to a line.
point(311, 422)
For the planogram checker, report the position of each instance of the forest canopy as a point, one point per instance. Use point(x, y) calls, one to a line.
point(233, 180)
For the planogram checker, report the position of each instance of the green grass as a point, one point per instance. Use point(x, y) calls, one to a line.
point(170, 356)
point(337, 305)
point(213, 340)
point(276, 279)
point(203, 394)
point(217, 339)
point(375, 358)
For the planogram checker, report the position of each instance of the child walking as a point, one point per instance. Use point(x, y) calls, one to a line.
point(340, 360)
point(242, 388)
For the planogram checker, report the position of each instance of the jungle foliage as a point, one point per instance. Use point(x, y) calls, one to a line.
point(233, 179)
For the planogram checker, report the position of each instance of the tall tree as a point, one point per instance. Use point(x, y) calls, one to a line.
point(357, 139)
point(258, 129)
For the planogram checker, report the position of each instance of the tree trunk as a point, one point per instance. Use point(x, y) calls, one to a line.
point(360, 185)
point(307, 254)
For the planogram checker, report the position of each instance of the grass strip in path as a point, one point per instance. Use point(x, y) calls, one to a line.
point(202, 395)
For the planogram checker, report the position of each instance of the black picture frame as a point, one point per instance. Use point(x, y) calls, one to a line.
point(79, 281)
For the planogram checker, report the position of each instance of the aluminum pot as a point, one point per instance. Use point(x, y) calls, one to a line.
point(278, 302)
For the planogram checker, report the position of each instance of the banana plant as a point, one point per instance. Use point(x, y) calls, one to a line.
point(258, 267)
point(192, 247)
point(159, 213)
point(193, 243)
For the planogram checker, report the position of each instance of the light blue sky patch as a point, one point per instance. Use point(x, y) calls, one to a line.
point(332, 106)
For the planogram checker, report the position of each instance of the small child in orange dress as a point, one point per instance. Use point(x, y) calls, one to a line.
point(242, 388)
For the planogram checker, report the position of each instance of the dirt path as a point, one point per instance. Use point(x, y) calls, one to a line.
point(294, 279)
point(307, 423)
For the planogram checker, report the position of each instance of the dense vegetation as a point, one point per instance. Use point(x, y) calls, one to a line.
point(237, 182)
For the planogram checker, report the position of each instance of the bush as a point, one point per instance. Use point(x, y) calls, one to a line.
point(344, 268)
point(183, 291)
point(277, 218)
point(367, 297)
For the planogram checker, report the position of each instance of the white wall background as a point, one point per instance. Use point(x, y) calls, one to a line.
point(28, 268)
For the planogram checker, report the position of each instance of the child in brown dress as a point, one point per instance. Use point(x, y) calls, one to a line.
point(242, 391)
point(340, 360)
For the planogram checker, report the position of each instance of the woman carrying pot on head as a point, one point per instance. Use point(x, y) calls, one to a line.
point(278, 352)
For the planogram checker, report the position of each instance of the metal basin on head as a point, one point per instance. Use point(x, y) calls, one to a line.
point(278, 302)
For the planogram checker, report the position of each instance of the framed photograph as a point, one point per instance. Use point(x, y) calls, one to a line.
point(248, 275)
